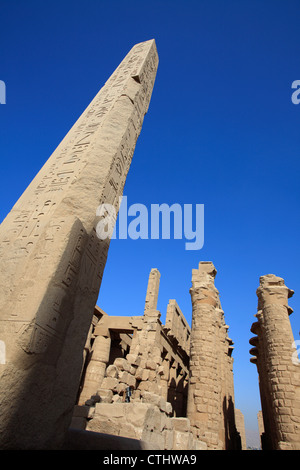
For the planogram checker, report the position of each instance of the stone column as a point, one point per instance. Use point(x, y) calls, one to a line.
point(204, 393)
point(146, 341)
point(268, 437)
point(210, 405)
point(52, 258)
point(279, 376)
point(96, 367)
point(240, 424)
point(152, 291)
point(164, 378)
point(261, 428)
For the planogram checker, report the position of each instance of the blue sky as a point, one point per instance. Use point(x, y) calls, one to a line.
point(221, 131)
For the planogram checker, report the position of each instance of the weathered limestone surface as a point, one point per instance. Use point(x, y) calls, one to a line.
point(150, 363)
point(210, 394)
point(52, 261)
point(148, 421)
point(177, 326)
point(152, 290)
point(137, 352)
point(261, 428)
point(240, 425)
point(139, 389)
point(279, 377)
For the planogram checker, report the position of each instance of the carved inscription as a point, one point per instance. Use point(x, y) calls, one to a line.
point(72, 154)
point(92, 264)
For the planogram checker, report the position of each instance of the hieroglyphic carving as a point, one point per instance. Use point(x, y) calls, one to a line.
point(66, 162)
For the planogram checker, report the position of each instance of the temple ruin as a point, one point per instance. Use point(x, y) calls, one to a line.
point(74, 377)
point(169, 386)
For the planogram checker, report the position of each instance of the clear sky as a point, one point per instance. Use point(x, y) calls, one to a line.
point(221, 131)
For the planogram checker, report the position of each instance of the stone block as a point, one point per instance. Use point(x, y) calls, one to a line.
point(136, 394)
point(183, 440)
point(169, 408)
point(145, 374)
point(163, 405)
point(151, 364)
point(168, 438)
point(165, 422)
point(138, 414)
point(131, 381)
point(106, 426)
point(151, 398)
point(156, 359)
point(106, 396)
point(144, 386)
point(123, 376)
point(133, 359)
point(181, 424)
point(121, 388)
point(112, 371)
point(128, 430)
point(154, 439)
point(116, 398)
point(143, 363)
point(122, 364)
point(199, 445)
point(153, 422)
point(110, 410)
point(139, 373)
point(110, 383)
point(152, 375)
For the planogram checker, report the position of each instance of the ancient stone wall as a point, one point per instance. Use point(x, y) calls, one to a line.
point(151, 357)
point(142, 392)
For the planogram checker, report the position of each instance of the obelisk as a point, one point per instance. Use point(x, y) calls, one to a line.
point(52, 260)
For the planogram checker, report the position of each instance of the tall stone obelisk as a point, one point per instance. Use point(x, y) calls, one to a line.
point(52, 261)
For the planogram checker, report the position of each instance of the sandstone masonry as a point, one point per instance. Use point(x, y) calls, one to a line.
point(211, 395)
point(139, 378)
point(279, 377)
